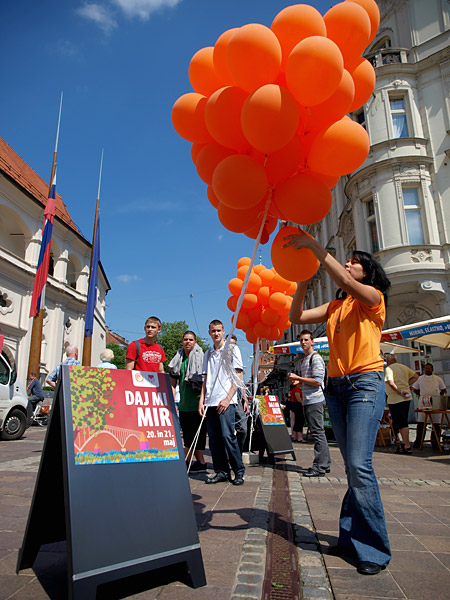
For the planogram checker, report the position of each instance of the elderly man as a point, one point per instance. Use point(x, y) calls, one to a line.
point(72, 359)
point(398, 379)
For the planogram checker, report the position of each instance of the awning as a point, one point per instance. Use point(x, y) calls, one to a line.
point(435, 332)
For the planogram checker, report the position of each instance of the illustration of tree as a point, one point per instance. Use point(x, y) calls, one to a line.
point(262, 405)
point(91, 394)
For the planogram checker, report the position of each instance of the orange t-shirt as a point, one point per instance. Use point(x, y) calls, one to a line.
point(354, 333)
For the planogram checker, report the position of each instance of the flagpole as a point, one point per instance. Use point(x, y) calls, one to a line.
point(34, 358)
point(87, 343)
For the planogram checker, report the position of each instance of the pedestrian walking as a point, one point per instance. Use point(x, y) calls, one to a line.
point(72, 359)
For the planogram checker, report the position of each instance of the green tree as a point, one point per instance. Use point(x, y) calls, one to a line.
point(170, 339)
point(119, 355)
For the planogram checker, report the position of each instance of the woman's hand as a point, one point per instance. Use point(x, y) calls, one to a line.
point(300, 240)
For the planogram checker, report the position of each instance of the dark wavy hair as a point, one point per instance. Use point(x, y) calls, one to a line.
point(374, 274)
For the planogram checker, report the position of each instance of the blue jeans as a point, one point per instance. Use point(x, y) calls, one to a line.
point(355, 405)
point(223, 442)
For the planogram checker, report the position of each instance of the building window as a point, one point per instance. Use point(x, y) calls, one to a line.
point(372, 227)
point(51, 265)
point(399, 116)
point(360, 118)
point(413, 217)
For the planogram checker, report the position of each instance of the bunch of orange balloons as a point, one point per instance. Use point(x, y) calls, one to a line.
point(266, 303)
point(267, 119)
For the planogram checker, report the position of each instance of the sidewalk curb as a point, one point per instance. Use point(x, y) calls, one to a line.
point(315, 583)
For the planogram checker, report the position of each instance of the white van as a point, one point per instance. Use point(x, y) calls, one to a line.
point(15, 408)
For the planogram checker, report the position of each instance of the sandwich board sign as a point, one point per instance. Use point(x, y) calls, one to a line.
point(112, 476)
point(275, 433)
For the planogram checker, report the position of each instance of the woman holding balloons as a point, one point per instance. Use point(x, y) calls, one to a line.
point(355, 392)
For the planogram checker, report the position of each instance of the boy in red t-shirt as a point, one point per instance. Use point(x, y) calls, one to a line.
point(151, 355)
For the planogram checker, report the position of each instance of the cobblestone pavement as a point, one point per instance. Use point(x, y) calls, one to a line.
point(233, 523)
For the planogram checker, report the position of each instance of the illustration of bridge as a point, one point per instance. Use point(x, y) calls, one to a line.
point(85, 435)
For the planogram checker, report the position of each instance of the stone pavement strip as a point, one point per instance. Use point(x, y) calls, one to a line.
point(233, 524)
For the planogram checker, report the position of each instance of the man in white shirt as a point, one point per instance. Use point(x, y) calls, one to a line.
point(428, 384)
point(398, 379)
point(219, 397)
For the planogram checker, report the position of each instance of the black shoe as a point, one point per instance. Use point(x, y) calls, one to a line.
point(314, 473)
point(416, 445)
point(218, 478)
point(369, 568)
point(198, 467)
point(238, 480)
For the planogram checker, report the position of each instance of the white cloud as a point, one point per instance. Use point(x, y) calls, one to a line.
point(128, 278)
point(143, 8)
point(220, 237)
point(99, 14)
point(66, 48)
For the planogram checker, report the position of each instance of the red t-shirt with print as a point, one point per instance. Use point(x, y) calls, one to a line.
point(149, 356)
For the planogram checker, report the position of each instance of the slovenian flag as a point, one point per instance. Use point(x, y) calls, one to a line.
point(44, 254)
point(93, 284)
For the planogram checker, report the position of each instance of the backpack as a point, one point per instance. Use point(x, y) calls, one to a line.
point(325, 378)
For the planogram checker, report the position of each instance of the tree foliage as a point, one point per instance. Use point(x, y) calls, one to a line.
point(170, 339)
point(119, 355)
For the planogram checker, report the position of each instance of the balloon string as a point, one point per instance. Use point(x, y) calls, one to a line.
point(255, 389)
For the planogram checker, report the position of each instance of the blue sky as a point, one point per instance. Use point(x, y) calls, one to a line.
point(121, 65)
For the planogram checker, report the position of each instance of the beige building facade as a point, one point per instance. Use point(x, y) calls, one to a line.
point(23, 195)
point(397, 204)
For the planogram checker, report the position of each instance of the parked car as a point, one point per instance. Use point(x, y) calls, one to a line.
point(15, 408)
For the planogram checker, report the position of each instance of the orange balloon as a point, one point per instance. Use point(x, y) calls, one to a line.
point(258, 269)
point(269, 227)
point(249, 301)
point(207, 160)
point(237, 221)
point(255, 313)
point(267, 277)
point(253, 56)
point(283, 322)
point(340, 149)
point(220, 56)
point(242, 321)
point(348, 25)
point(244, 261)
point(287, 306)
point(303, 199)
point(232, 303)
point(212, 197)
point(223, 117)
point(254, 283)
point(275, 333)
point(269, 316)
point(292, 288)
point(285, 162)
point(329, 180)
point(251, 337)
point(370, 6)
point(262, 330)
point(269, 118)
point(263, 295)
point(277, 301)
point(280, 284)
point(295, 23)
point(333, 109)
point(314, 70)
point(239, 181)
point(364, 80)
point(188, 118)
point(242, 272)
point(235, 286)
point(195, 149)
point(295, 265)
point(202, 74)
